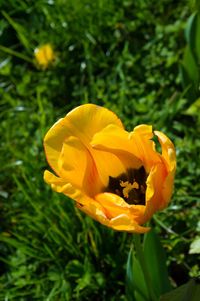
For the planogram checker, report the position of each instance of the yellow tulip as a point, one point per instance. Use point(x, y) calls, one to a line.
point(44, 55)
point(116, 177)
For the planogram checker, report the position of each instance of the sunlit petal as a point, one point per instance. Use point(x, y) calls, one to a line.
point(85, 121)
point(169, 155)
point(82, 122)
point(123, 223)
point(116, 141)
point(77, 166)
point(114, 205)
point(107, 164)
point(141, 138)
point(60, 185)
point(73, 161)
point(154, 198)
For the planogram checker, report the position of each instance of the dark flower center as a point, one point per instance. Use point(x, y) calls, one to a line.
point(131, 186)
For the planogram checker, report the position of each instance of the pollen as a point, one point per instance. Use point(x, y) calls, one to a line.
point(128, 187)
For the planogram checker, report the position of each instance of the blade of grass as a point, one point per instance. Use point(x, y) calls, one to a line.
point(15, 53)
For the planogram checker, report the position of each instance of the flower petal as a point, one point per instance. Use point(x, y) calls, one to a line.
point(60, 185)
point(82, 122)
point(88, 119)
point(93, 208)
point(115, 140)
point(121, 222)
point(169, 156)
point(95, 211)
point(107, 164)
point(122, 216)
point(168, 151)
point(72, 161)
point(141, 137)
point(77, 166)
point(154, 196)
point(53, 142)
point(113, 137)
point(134, 149)
point(144, 130)
point(114, 205)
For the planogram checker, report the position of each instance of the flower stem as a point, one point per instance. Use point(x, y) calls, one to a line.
point(141, 258)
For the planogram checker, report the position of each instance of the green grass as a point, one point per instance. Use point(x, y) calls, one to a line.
point(120, 54)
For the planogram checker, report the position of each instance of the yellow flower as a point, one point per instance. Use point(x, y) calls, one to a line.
point(44, 55)
point(116, 177)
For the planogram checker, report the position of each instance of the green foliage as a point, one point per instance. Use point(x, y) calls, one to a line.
point(120, 54)
point(155, 263)
point(136, 288)
point(195, 246)
point(190, 290)
point(191, 60)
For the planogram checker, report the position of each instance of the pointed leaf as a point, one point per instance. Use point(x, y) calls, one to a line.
point(19, 30)
point(136, 289)
point(189, 90)
point(130, 290)
point(192, 33)
point(156, 263)
point(194, 108)
point(189, 291)
point(191, 67)
point(190, 28)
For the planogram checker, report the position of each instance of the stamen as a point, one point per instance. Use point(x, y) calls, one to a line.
point(131, 186)
point(128, 187)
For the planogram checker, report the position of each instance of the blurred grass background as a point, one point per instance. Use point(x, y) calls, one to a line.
point(123, 55)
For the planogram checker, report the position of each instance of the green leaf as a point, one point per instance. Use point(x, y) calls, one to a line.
point(130, 290)
point(189, 291)
point(191, 66)
point(189, 69)
point(194, 108)
point(189, 75)
point(20, 30)
point(195, 246)
point(156, 263)
point(195, 5)
point(84, 281)
point(75, 268)
point(190, 27)
point(192, 33)
point(136, 289)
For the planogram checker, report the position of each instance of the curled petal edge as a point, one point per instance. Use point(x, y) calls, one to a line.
point(121, 222)
point(169, 159)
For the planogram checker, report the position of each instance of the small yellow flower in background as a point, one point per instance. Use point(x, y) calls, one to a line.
point(116, 177)
point(44, 55)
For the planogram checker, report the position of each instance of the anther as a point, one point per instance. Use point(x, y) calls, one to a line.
point(128, 187)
